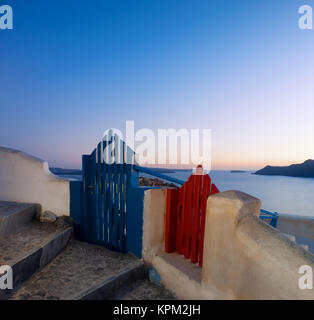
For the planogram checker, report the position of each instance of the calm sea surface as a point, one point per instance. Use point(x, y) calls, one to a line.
point(288, 195)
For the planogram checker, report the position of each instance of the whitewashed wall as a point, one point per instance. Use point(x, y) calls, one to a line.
point(302, 228)
point(24, 178)
point(244, 258)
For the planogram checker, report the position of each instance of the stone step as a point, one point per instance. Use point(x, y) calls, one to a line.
point(30, 249)
point(85, 271)
point(111, 287)
point(15, 215)
point(145, 290)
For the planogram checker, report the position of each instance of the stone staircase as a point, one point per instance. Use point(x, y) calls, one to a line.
point(27, 245)
point(87, 272)
point(48, 264)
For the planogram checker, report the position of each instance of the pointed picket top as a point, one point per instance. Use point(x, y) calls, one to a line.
point(114, 149)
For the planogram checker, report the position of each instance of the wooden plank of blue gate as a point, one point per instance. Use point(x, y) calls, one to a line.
point(92, 214)
point(98, 194)
point(88, 189)
point(96, 222)
point(102, 207)
point(115, 226)
point(134, 215)
point(122, 207)
point(128, 184)
point(102, 197)
point(83, 235)
point(76, 207)
point(104, 203)
point(109, 205)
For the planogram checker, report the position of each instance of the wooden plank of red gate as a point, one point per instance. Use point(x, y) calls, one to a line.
point(204, 196)
point(180, 220)
point(188, 216)
point(171, 220)
point(167, 220)
point(196, 219)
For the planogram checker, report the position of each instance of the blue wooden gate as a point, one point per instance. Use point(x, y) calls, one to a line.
point(107, 206)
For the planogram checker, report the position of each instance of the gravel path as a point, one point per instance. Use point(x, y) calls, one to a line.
point(27, 239)
point(76, 269)
point(81, 266)
point(146, 290)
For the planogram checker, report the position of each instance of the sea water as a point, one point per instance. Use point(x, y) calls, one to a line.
point(286, 195)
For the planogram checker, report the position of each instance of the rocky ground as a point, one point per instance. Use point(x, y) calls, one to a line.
point(150, 182)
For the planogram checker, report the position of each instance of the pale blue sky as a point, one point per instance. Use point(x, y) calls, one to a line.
point(71, 69)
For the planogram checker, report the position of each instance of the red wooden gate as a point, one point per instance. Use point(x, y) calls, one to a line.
point(185, 216)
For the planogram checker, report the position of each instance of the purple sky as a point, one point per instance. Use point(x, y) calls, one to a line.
point(70, 70)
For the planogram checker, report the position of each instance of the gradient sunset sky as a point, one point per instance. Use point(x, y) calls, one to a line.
point(72, 69)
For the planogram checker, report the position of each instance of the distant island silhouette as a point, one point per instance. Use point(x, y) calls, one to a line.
point(238, 171)
point(304, 170)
